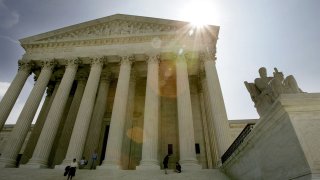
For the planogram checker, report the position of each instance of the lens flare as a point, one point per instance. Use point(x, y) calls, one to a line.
point(200, 13)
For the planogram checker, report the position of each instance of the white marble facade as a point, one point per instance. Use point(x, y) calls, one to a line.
point(130, 88)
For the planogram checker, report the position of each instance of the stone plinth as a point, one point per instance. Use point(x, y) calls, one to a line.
point(284, 144)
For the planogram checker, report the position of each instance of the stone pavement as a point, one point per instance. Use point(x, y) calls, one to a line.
point(55, 174)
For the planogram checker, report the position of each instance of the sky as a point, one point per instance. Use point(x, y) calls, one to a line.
point(253, 34)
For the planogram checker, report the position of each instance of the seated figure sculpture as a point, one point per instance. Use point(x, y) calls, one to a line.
point(260, 91)
point(265, 90)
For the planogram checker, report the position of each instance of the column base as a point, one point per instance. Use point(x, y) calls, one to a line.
point(219, 163)
point(148, 165)
point(7, 163)
point(35, 164)
point(109, 165)
point(60, 166)
point(64, 164)
point(190, 165)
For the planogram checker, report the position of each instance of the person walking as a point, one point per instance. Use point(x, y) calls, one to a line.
point(165, 163)
point(94, 157)
point(72, 169)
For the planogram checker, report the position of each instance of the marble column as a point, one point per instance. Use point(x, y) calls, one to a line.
point(114, 144)
point(63, 144)
point(220, 120)
point(32, 142)
point(205, 125)
point(21, 128)
point(93, 136)
point(13, 91)
point(209, 119)
point(43, 148)
point(150, 159)
point(127, 133)
point(185, 120)
point(80, 129)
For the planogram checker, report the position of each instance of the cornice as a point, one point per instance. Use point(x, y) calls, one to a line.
point(49, 46)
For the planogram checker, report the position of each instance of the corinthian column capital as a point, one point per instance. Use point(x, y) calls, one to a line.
point(208, 55)
point(97, 61)
point(25, 66)
point(48, 64)
point(153, 59)
point(127, 60)
point(73, 63)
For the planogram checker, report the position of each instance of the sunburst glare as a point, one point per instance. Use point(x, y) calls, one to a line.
point(199, 13)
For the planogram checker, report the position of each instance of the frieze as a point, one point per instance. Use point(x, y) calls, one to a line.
point(102, 41)
point(53, 47)
point(47, 50)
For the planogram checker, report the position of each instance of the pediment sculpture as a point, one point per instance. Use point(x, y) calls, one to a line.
point(112, 28)
point(265, 90)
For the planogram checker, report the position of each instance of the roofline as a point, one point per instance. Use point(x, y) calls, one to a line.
point(102, 20)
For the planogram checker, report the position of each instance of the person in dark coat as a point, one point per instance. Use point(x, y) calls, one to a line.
point(165, 163)
point(66, 170)
point(178, 167)
point(72, 169)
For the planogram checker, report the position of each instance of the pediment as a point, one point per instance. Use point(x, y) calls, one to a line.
point(109, 27)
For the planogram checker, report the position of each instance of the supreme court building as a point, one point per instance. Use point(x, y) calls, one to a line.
point(130, 88)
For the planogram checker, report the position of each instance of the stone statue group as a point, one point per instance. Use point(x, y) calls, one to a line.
point(265, 90)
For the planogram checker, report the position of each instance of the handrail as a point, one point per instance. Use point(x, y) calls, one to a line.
point(236, 143)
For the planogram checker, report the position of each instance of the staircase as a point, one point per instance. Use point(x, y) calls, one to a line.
point(84, 174)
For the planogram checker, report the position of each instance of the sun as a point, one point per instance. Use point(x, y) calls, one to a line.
point(199, 13)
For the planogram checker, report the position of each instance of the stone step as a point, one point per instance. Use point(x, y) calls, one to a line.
point(84, 174)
